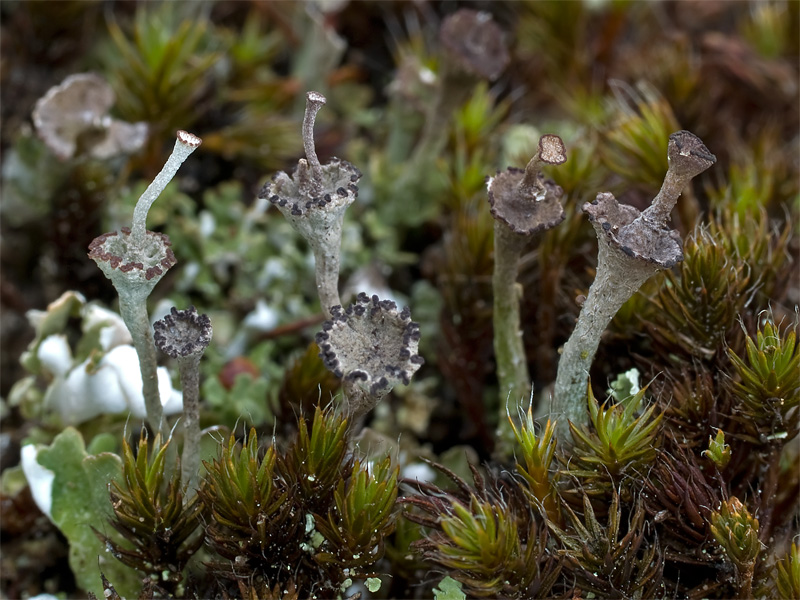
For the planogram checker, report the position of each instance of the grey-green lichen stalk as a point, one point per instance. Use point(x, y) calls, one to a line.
point(522, 203)
point(632, 246)
point(184, 335)
point(314, 200)
point(185, 144)
point(135, 260)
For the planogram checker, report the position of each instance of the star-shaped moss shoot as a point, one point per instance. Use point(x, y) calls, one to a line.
point(135, 260)
point(632, 246)
point(373, 347)
point(314, 200)
point(522, 203)
point(184, 335)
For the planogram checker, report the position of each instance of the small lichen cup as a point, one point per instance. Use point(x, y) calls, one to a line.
point(314, 199)
point(372, 347)
point(184, 335)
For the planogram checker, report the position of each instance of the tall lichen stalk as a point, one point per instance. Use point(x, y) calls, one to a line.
point(509, 350)
point(135, 260)
point(632, 246)
point(314, 199)
point(134, 312)
point(523, 204)
point(184, 335)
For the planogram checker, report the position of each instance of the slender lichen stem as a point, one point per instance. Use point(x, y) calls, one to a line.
point(618, 278)
point(453, 91)
point(512, 365)
point(190, 384)
point(530, 183)
point(630, 250)
point(314, 101)
point(134, 313)
point(659, 211)
point(359, 403)
point(326, 268)
point(185, 144)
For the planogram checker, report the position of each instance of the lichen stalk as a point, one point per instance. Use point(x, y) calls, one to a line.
point(453, 91)
point(189, 367)
point(618, 278)
point(474, 49)
point(314, 101)
point(632, 246)
point(314, 199)
point(185, 144)
point(660, 209)
point(327, 261)
point(135, 260)
point(688, 157)
point(133, 311)
point(531, 182)
point(184, 335)
point(523, 203)
point(512, 365)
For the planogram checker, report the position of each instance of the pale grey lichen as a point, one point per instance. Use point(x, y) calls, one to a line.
point(133, 269)
point(314, 199)
point(372, 347)
point(523, 200)
point(522, 203)
point(474, 43)
point(135, 259)
point(185, 335)
point(185, 144)
point(72, 117)
point(632, 247)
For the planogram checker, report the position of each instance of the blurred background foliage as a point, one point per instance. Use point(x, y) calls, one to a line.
point(613, 78)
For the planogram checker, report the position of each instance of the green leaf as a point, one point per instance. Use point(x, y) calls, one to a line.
point(80, 500)
point(449, 589)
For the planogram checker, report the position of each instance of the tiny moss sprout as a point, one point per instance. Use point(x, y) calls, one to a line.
point(185, 335)
point(736, 531)
point(632, 247)
point(314, 200)
point(718, 451)
point(768, 384)
point(680, 493)
point(612, 560)
point(373, 347)
point(522, 203)
point(135, 260)
point(787, 577)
